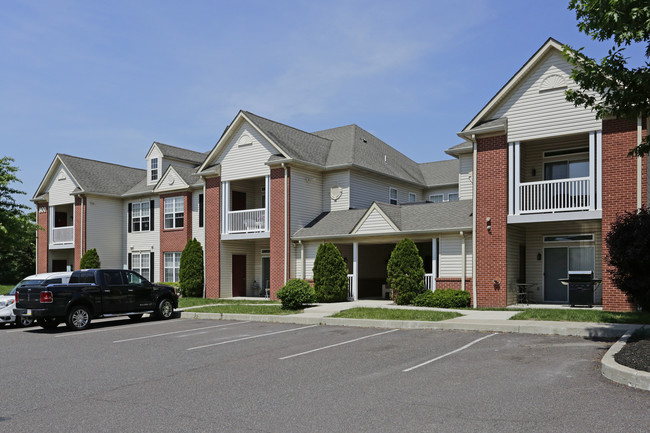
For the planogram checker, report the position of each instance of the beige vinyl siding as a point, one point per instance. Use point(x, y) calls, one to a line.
point(171, 182)
point(532, 154)
point(534, 114)
point(155, 153)
point(367, 188)
point(333, 179)
point(535, 245)
point(245, 161)
point(145, 241)
point(310, 255)
point(60, 188)
point(105, 230)
point(450, 256)
point(375, 223)
point(306, 200)
point(465, 177)
point(515, 237)
point(197, 232)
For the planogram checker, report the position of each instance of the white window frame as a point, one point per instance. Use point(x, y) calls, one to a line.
point(433, 200)
point(391, 199)
point(139, 217)
point(154, 169)
point(174, 210)
point(138, 264)
point(455, 194)
point(171, 264)
point(412, 197)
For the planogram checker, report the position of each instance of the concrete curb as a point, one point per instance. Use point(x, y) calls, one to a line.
point(620, 373)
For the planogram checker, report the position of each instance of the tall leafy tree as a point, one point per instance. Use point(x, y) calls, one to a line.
point(330, 274)
point(609, 86)
point(405, 272)
point(190, 273)
point(17, 228)
point(90, 260)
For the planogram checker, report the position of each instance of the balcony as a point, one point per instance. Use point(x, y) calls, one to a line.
point(246, 221)
point(245, 205)
point(561, 195)
point(61, 226)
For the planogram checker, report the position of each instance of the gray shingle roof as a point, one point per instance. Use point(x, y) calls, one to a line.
point(440, 172)
point(188, 174)
point(102, 177)
point(179, 153)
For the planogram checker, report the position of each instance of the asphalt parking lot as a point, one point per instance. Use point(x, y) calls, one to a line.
point(204, 375)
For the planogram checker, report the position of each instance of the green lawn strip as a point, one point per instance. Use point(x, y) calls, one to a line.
point(396, 314)
point(192, 302)
point(597, 316)
point(5, 288)
point(245, 309)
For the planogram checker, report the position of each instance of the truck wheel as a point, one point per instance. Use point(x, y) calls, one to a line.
point(48, 322)
point(165, 309)
point(78, 318)
point(23, 322)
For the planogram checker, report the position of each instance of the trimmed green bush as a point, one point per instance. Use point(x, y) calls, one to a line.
point(190, 272)
point(295, 294)
point(443, 298)
point(330, 274)
point(405, 272)
point(90, 260)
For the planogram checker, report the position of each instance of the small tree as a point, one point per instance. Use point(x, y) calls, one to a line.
point(190, 273)
point(90, 260)
point(330, 274)
point(405, 272)
point(295, 294)
point(628, 243)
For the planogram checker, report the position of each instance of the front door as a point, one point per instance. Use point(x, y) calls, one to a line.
point(59, 265)
point(555, 267)
point(238, 275)
point(266, 273)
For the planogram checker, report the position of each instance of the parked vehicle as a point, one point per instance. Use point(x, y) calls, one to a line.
point(7, 302)
point(93, 293)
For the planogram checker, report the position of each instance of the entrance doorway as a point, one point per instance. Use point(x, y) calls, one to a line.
point(238, 275)
point(558, 261)
point(59, 265)
point(266, 274)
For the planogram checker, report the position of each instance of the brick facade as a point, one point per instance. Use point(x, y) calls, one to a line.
point(491, 202)
point(212, 247)
point(453, 283)
point(619, 194)
point(174, 240)
point(279, 239)
point(80, 212)
point(42, 247)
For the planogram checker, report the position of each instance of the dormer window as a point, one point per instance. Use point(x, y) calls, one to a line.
point(154, 169)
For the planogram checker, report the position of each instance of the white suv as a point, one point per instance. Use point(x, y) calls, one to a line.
point(7, 301)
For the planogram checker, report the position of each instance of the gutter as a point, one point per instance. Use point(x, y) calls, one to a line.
point(382, 234)
point(286, 222)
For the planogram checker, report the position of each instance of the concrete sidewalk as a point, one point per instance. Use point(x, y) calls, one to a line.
point(471, 320)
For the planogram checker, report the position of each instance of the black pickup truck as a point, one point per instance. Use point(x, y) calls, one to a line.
point(93, 293)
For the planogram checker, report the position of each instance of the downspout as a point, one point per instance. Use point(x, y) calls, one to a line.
point(474, 164)
point(286, 223)
point(203, 246)
point(463, 266)
point(83, 220)
point(302, 260)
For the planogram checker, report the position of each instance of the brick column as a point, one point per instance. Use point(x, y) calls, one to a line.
point(279, 239)
point(42, 245)
point(174, 240)
point(491, 202)
point(80, 229)
point(619, 195)
point(212, 247)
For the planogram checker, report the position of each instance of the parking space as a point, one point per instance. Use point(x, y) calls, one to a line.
point(226, 375)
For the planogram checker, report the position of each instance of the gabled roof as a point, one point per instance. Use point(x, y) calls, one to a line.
point(549, 45)
point(179, 154)
point(440, 173)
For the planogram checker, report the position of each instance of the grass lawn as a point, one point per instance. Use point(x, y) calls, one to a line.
point(4, 288)
point(396, 314)
point(582, 316)
point(245, 309)
point(192, 302)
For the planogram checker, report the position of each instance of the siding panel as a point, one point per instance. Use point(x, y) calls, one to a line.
point(104, 230)
point(245, 161)
point(306, 200)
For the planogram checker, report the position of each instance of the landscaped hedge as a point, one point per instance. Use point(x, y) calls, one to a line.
point(443, 298)
point(405, 272)
point(295, 294)
point(330, 274)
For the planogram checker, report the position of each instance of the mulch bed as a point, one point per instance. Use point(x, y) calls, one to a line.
point(636, 353)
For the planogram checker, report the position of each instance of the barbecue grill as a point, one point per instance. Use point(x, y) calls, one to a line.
point(581, 287)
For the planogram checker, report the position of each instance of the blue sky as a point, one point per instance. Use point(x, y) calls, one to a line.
point(103, 80)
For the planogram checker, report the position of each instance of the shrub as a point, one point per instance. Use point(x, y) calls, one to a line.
point(628, 243)
point(90, 260)
point(190, 272)
point(295, 294)
point(330, 274)
point(443, 298)
point(405, 272)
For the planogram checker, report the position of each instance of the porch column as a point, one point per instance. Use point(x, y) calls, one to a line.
point(225, 205)
point(355, 271)
point(463, 267)
point(511, 179)
point(50, 224)
point(592, 170)
point(267, 202)
point(434, 262)
point(517, 175)
point(599, 169)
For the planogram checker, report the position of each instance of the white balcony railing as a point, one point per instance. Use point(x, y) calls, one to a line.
point(62, 235)
point(350, 287)
point(430, 282)
point(246, 221)
point(555, 195)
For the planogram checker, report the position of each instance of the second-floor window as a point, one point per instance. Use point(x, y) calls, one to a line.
point(392, 196)
point(453, 196)
point(566, 169)
point(436, 198)
point(174, 212)
point(140, 216)
point(412, 197)
point(154, 169)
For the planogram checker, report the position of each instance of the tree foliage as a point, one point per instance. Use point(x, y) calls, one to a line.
point(330, 274)
point(608, 86)
point(628, 243)
point(17, 228)
point(295, 294)
point(190, 273)
point(90, 260)
point(405, 272)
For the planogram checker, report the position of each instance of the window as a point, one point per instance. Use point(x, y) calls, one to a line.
point(392, 196)
point(569, 238)
point(412, 197)
point(140, 216)
point(566, 169)
point(453, 196)
point(174, 212)
point(436, 198)
point(172, 265)
point(140, 264)
point(154, 169)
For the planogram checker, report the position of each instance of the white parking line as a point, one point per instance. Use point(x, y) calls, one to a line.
point(248, 338)
point(337, 344)
point(115, 328)
point(449, 353)
point(178, 332)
